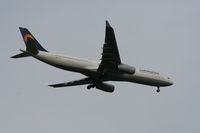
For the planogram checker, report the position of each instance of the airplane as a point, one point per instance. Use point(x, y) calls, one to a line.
point(109, 68)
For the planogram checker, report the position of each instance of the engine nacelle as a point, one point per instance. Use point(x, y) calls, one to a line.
point(126, 68)
point(105, 87)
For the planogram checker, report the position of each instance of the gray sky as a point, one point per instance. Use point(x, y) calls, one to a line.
point(157, 35)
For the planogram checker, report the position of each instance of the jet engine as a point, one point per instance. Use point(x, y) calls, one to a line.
point(126, 68)
point(105, 87)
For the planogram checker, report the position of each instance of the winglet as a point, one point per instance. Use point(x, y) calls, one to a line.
point(107, 24)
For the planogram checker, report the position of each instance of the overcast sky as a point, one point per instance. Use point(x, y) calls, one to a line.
point(158, 35)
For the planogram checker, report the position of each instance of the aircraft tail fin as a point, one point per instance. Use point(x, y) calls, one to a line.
point(32, 45)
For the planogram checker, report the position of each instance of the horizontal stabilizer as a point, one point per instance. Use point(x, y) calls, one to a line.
point(21, 55)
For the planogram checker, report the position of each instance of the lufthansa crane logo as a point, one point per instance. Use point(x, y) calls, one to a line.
point(28, 36)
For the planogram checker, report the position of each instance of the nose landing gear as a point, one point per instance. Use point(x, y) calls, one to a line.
point(158, 90)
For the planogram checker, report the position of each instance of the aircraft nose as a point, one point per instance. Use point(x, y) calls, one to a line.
point(170, 83)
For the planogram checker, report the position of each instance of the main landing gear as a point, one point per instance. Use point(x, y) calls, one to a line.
point(158, 90)
point(90, 86)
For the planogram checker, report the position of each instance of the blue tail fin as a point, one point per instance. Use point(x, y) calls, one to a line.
point(30, 40)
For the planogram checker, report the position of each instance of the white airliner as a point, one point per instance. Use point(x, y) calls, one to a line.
point(110, 68)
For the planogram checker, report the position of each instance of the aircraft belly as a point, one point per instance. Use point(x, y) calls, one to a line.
point(139, 78)
point(147, 79)
point(144, 80)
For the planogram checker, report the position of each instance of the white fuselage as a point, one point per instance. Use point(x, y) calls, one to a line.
point(89, 68)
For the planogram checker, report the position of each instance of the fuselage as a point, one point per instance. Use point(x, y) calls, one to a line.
point(89, 68)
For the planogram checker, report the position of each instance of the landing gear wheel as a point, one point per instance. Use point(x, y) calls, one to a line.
point(158, 90)
point(90, 86)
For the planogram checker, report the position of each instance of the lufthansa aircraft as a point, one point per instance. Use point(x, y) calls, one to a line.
point(110, 68)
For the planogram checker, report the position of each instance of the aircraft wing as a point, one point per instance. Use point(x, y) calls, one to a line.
point(72, 83)
point(110, 56)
